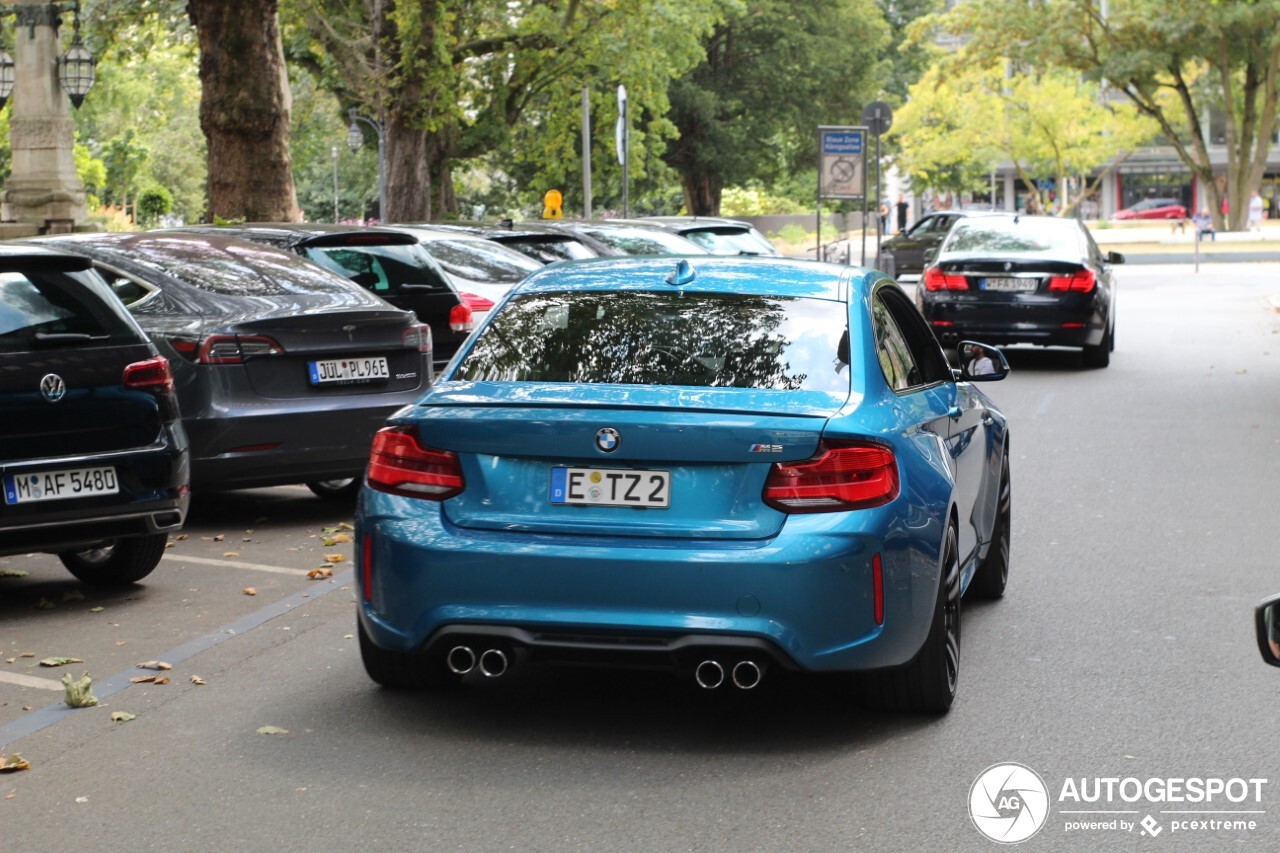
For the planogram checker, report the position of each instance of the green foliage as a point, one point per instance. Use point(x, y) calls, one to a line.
point(153, 202)
point(757, 201)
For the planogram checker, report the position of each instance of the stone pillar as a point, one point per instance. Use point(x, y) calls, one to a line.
point(43, 189)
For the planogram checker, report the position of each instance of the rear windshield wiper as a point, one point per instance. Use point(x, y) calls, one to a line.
point(69, 338)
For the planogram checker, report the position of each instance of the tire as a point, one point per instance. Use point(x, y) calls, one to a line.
point(120, 562)
point(402, 671)
point(1100, 355)
point(927, 685)
point(993, 572)
point(345, 489)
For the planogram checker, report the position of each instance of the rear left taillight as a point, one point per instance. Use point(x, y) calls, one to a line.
point(935, 279)
point(843, 475)
point(477, 303)
point(151, 375)
point(1082, 282)
point(399, 465)
point(236, 349)
point(418, 336)
point(460, 318)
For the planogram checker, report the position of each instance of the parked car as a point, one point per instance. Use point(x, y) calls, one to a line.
point(93, 457)
point(908, 248)
point(1012, 279)
point(717, 235)
point(384, 261)
point(283, 369)
point(480, 269)
point(618, 237)
point(1266, 623)
point(1154, 208)
point(712, 465)
point(544, 243)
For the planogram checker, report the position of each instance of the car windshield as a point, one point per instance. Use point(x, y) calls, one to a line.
point(730, 241)
point(643, 241)
point(1025, 235)
point(645, 338)
point(481, 260)
point(41, 309)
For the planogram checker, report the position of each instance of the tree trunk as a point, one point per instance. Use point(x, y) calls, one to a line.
point(701, 195)
point(408, 182)
point(244, 110)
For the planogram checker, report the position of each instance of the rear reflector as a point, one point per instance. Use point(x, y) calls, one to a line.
point(935, 279)
point(366, 567)
point(151, 375)
point(1073, 325)
point(877, 589)
point(1081, 282)
point(399, 465)
point(843, 475)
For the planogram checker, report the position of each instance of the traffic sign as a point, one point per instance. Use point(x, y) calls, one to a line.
point(841, 162)
point(878, 117)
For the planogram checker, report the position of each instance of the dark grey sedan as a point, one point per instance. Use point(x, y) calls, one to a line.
point(908, 248)
point(284, 370)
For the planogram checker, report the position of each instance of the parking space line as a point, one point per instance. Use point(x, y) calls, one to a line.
point(44, 717)
point(257, 567)
point(30, 681)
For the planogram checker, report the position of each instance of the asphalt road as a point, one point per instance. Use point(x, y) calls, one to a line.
point(1144, 525)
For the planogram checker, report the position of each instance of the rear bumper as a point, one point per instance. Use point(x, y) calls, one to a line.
point(1077, 323)
point(802, 598)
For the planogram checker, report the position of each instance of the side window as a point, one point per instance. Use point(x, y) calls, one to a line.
point(360, 267)
point(930, 365)
point(128, 290)
point(922, 227)
point(896, 360)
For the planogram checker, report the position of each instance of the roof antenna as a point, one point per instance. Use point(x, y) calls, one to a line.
point(682, 274)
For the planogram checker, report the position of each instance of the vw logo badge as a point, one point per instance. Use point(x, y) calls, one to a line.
point(608, 439)
point(52, 388)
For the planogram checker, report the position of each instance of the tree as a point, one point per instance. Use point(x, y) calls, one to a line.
point(453, 81)
point(244, 109)
point(1175, 63)
point(961, 121)
point(774, 71)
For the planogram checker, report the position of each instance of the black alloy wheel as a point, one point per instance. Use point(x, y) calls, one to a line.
point(345, 489)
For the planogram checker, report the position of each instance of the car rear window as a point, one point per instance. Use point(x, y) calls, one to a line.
point(730, 241)
point(55, 309)
point(481, 260)
point(381, 268)
point(638, 241)
point(548, 250)
point(725, 340)
point(1020, 236)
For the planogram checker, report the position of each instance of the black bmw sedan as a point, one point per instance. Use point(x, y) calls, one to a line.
point(1010, 279)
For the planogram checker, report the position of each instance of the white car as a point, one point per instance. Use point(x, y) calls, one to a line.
point(481, 270)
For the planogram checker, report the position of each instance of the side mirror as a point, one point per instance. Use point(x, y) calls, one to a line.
point(1266, 619)
point(1115, 258)
point(980, 363)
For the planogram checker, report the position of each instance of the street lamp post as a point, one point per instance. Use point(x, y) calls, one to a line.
point(44, 189)
point(335, 185)
point(355, 138)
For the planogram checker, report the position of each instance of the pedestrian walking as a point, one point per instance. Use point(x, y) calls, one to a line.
point(1255, 211)
point(904, 210)
point(884, 216)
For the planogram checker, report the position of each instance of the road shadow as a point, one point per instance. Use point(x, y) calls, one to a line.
point(259, 508)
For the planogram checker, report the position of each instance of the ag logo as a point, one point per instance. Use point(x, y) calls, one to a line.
point(1008, 803)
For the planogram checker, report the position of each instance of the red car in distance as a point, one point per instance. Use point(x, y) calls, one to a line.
point(1154, 208)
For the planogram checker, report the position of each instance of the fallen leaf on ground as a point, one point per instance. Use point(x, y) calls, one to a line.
point(342, 537)
point(346, 526)
point(45, 604)
point(231, 553)
point(13, 573)
point(180, 537)
point(170, 544)
point(10, 660)
point(246, 539)
point(154, 664)
point(13, 763)
point(348, 636)
point(27, 655)
point(96, 609)
point(122, 716)
point(11, 795)
point(121, 642)
point(316, 574)
point(162, 679)
point(79, 694)
point(195, 679)
point(73, 595)
point(219, 537)
point(334, 558)
point(272, 730)
point(82, 799)
point(142, 679)
point(60, 661)
point(248, 590)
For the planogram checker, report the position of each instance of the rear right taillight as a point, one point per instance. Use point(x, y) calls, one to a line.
point(842, 475)
point(935, 279)
point(1081, 282)
point(418, 336)
point(399, 465)
point(235, 349)
point(460, 318)
point(151, 375)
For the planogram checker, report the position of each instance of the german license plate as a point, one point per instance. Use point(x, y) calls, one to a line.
point(611, 487)
point(1009, 284)
point(348, 371)
point(58, 485)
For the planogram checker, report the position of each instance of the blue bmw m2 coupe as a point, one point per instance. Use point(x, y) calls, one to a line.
point(716, 466)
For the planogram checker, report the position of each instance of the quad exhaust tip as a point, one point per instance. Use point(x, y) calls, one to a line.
point(461, 660)
point(747, 675)
point(709, 674)
point(493, 663)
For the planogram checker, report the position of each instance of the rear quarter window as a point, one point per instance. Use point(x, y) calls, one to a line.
point(42, 309)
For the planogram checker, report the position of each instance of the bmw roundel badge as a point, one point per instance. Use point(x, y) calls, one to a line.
point(608, 439)
point(52, 388)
